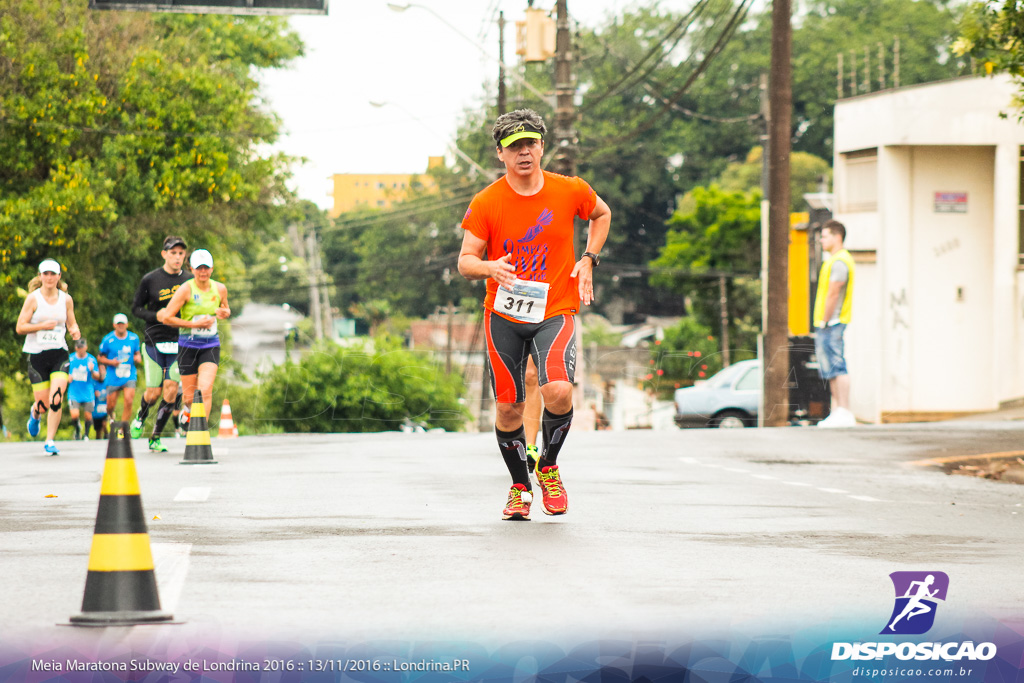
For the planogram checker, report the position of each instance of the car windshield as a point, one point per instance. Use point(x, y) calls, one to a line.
point(726, 376)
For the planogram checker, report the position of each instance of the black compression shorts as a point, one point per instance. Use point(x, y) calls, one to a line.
point(45, 363)
point(189, 360)
point(552, 343)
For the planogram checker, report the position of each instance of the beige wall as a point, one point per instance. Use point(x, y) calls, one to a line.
point(951, 274)
point(939, 319)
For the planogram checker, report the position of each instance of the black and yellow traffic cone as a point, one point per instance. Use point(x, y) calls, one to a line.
point(120, 588)
point(197, 442)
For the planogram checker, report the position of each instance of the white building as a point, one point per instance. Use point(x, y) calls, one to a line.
point(929, 185)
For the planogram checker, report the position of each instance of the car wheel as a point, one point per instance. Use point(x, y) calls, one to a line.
point(731, 419)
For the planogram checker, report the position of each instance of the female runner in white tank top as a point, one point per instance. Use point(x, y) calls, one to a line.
point(46, 317)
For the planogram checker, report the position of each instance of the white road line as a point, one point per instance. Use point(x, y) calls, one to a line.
point(768, 477)
point(170, 563)
point(192, 494)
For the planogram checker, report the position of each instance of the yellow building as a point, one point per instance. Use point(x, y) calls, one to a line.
point(376, 190)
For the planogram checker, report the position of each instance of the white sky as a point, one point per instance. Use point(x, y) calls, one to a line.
point(363, 51)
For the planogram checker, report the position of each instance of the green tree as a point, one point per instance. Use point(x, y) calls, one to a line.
point(992, 36)
point(332, 389)
point(406, 256)
point(117, 128)
point(719, 235)
point(925, 29)
point(807, 173)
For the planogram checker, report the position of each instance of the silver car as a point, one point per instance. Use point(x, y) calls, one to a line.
point(728, 399)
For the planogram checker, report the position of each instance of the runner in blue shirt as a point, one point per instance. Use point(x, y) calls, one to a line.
point(99, 417)
point(120, 351)
point(84, 370)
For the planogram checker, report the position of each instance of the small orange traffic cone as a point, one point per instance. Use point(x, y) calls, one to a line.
point(120, 588)
point(197, 441)
point(227, 425)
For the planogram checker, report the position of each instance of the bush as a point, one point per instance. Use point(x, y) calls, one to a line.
point(689, 352)
point(333, 389)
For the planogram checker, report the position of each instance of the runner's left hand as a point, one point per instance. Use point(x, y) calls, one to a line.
point(584, 271)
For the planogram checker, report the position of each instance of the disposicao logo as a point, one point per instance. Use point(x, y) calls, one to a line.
point(917, 598)
point(918, 595)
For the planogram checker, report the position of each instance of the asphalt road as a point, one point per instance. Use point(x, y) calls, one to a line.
point(385, 535)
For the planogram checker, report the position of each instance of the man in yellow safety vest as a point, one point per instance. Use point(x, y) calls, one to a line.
point(833, 306)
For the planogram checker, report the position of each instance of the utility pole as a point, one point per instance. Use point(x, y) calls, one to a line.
point(447, 277)
point(723, 303)
point(565, 95)
point(502, 93)
point(776, 325)
point(565, 151)
point(325, 295)
point(314, 296)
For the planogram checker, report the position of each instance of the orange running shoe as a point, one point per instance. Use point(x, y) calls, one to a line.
point(518, 506)
point(556, 502)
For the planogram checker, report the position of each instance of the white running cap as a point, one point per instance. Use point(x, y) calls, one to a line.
point(201, 257)
point(120, 318)
point(49, 266)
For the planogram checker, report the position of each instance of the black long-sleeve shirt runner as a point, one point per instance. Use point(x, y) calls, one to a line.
point(154, 292)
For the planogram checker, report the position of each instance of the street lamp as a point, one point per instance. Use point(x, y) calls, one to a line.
point(546, 99)
point(455, 148)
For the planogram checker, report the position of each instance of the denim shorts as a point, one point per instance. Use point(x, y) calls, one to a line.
point(828, 346)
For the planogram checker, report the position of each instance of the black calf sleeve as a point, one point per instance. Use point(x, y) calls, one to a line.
point(513, 449)
point(163, 414)
point(144, 409)
point(555, 428)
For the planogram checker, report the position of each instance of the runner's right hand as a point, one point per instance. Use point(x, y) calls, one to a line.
point(503, 272)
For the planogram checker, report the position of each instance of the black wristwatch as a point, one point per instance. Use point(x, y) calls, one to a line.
point(593, 257)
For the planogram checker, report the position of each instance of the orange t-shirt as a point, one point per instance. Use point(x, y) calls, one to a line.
point(537, 231)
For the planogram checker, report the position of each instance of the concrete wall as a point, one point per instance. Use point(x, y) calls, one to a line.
point(950, 266)
point(938, 318)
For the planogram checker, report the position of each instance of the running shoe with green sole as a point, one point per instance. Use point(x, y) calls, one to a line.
point(135, 428)
point(518, 506)
point(532, 455)
point(157, 446)
point(555, 500)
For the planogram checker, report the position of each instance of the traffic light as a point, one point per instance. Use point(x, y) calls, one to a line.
point(244, 7)
point(535, 37)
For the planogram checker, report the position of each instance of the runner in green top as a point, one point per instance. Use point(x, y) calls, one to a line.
point(195, 308)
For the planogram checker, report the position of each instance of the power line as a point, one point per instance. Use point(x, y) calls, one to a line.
point(398, 214)
point(616, 87)
point(722, 40)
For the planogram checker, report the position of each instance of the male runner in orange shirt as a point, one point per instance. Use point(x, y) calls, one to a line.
point(523, 223)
